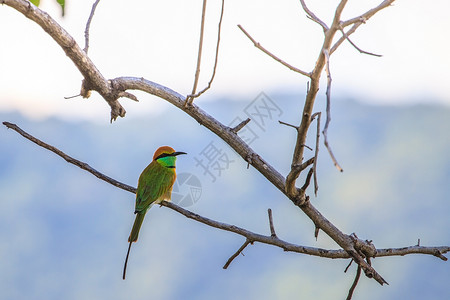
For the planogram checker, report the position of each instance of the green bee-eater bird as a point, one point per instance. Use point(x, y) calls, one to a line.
point(154, 185)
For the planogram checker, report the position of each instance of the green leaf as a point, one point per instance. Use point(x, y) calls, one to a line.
point(35, 2)
point(62, 3)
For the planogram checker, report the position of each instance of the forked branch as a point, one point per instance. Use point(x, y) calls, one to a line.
point(313, 17)
point(193, 94)
point(358, 21)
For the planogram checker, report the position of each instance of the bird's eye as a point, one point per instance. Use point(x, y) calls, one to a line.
point(162, 155)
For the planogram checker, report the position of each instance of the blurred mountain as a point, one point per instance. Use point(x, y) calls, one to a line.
point(64, 232)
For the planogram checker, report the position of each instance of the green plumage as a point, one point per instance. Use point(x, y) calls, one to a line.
point(154, 185)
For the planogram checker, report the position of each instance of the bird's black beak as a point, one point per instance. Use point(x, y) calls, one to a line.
point(178, 153)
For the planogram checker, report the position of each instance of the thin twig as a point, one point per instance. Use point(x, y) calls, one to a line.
point(71, 97)
point(327, 122)
point(189, 98)
point(355, 282)
point(295, 127)
point(216, 59)
point(358, 21)
point(348, 266)
point(306, 146)
point(287, 124)
point(313, 17)
point(307, 180)
point(368, 14)
point(342, 38)
point(316, 231)
point(306, 163)
point(258, 45)
point(316, 152)
point(241, 125)
point(272, 228)
point(88, 25)
point(435, 251)
point(239, 251)
point(356, 47)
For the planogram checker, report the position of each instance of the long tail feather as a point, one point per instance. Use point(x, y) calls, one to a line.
point(133, 237)
point(126, 262)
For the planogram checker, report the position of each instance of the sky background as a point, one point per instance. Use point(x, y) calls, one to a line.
point(158, 40)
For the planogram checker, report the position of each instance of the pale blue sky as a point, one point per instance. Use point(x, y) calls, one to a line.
point(158, 40)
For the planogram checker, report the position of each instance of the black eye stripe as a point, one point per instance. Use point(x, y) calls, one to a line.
point(162, 155)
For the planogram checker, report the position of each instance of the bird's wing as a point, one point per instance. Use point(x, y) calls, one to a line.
point(153, 188)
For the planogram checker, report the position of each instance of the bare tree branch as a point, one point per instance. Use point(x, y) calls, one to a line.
point(307, 180)
point(302, 131)
point(191, 97)
point(239, 251)
point(272, 228)
point(251, 236)
point(313, 17)
point(93, 79)
point(241, 125)
point(343, 38)
point(287, 124)
point(356, 47)
point(316, 152)
point(355, 282)
point(348, 266)
point(88, 25)
point(337, 24)
point(435, 251)
point(70, 159)
point(258, 45)
point(328, 120)
point(357, 21)
point(368, 14)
